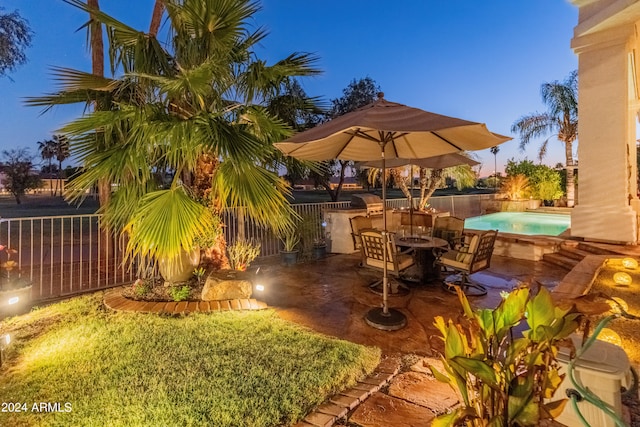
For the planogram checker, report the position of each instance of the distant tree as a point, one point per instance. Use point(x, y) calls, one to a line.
point(17, 167)
point(357, 94)
point(61, 153)
point(15, 38)
point(544, 182)
point(494, 151)
point(47, 152)
point(561, 119)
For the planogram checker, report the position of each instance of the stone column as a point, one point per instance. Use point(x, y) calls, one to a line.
point(606, 46)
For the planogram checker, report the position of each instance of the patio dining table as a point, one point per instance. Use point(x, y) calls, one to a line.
point(425, 257)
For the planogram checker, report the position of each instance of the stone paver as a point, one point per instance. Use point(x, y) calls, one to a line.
point(381, 410)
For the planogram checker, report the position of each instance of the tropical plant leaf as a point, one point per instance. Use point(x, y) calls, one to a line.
point(477, 368)
point(166, 223)
point(523, 411)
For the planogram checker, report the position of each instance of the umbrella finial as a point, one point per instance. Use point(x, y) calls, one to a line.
point(380, 95)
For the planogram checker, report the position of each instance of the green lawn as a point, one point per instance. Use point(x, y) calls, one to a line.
point(124, 369)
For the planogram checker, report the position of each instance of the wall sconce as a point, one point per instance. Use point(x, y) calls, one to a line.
point(622, 278)
point(629, 263)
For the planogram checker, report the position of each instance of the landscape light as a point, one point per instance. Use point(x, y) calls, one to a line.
point(610, 336)
point(13, 300)
point(622, 278)
point(618, 305)
point(260, 288)
point(629, 263)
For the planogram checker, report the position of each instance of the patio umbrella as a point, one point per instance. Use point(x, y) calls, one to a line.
point(386, 130)
point(438, 162)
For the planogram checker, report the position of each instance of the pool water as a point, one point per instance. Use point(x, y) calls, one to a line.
point(528, 223)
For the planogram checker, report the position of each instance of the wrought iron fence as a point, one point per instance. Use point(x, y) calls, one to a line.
point(67, 255)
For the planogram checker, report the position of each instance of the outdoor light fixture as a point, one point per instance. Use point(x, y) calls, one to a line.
point(13, 300)
point(618, 305)
point(260, 288)
point(622, 278)
point(629, 263)
point(610, 336)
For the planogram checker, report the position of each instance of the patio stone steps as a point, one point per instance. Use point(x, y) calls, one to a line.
point(572, 252)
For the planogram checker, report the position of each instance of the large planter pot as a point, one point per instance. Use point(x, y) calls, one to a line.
point(181, 269)
point(289, 257)
point(319, 251)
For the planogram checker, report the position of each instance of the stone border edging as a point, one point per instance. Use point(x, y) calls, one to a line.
point(114, 300)
point(341, 404)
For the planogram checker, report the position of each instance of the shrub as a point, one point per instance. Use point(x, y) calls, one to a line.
point(180, 293)
point(242, 253)
point(505, 378)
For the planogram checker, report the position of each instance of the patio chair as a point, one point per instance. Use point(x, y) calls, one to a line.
point(473, 256)
point(373, 257)
point(359, 223)
point(450, 229)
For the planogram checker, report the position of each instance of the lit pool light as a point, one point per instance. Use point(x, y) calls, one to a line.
point(528, 223)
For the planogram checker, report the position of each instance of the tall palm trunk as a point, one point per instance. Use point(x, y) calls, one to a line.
point(568, 146)
point(104, 186)
point(216, 254)
point(156, 17)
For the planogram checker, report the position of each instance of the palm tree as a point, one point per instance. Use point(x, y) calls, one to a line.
point(196, 107)
point(494, 151)
point(561, 120)
point(60, 147)
point(47, 152)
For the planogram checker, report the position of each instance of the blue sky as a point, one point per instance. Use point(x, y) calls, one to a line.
point(478, 60)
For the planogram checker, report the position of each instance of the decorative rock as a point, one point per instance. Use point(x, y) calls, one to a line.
point(226, 285)
point(421, 390)
point(381, 410)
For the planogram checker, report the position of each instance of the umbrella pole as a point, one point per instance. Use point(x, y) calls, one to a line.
point(411, 200)
point(385, 318)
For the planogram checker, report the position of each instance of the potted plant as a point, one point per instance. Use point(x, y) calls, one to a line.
point(319, 249)
point(15, 290)
point(289, 252)
point(505, 377)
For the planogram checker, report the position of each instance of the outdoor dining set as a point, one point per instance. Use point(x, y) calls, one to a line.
point(422, 251)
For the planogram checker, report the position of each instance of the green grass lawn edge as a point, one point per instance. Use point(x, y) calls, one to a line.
point(97, 367)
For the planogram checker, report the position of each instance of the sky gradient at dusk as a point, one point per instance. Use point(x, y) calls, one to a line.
point(478, 60)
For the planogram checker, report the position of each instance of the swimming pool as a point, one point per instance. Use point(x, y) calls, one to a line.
point(528, 223)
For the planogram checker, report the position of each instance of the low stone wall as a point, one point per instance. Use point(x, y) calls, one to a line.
point(497, 205)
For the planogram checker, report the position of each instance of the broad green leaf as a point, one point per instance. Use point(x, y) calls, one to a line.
point(485, 319)
point(511, 311)
point(540, 311)
point(440, 376)
point(454, 343)
point(523, 411)
point(477, 368)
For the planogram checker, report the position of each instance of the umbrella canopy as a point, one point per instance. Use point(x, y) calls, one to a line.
point(438, 162)
point(405, 132)
point(387, 130)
